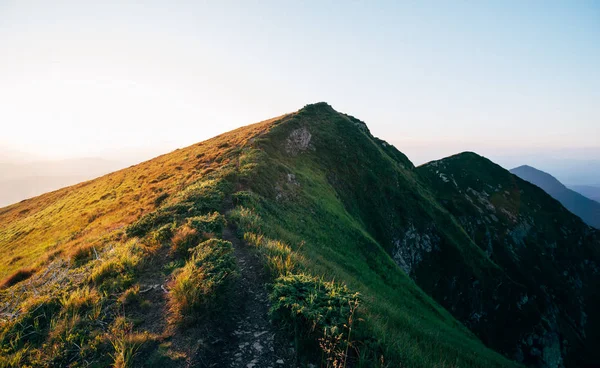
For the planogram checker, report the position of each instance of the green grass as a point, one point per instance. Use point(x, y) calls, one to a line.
point(205, 278)
point(337, 219)
point(324, 220)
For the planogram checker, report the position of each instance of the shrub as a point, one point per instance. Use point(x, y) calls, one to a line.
point(148, 222)
point(184, 239)
point(20, 275)
point(130, 296)
point(245, 198)
point(204, 278)
point(279, 256)
point(211, 223)
point(83, 254)
point(207, 195)
point(160, 199)
point(164, 234)
point(118, 271)
point(195, 200)
point(246, 219)
point(316, 310)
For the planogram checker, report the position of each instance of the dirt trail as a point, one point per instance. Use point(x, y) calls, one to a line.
point(246, 337)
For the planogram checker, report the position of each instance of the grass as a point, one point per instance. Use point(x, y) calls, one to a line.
point(118, 270)
point(61, 219)
point(320, 219)
point(204, 279)
point(20, 275)
point(342, 231)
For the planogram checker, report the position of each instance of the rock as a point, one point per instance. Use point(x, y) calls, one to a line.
point(298, 141)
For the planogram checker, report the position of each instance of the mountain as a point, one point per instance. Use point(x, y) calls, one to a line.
point(549, 257)
point(582, 206)
point(25, 179)
point(299, 240)
point(592, 192)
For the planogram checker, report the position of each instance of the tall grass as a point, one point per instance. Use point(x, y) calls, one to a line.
point(206, 276)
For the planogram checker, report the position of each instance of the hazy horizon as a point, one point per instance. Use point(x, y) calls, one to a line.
point(25, 175)
point(85, 79)
point(515, 82)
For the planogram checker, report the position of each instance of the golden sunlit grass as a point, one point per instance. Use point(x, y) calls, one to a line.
point(205, 277)
point(77, 216)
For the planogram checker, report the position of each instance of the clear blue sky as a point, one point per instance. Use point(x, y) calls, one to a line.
point(82, 78)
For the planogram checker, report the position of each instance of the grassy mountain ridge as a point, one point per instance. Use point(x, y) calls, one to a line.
point(134, 268)
point(402, 214)
point(166, 262)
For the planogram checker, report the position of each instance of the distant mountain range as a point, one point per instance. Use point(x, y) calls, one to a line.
point(581, 205)
point(592, 192)
point(20, 180)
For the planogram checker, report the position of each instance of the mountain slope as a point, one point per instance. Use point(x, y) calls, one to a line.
point(154, 265)
point(170, 259)
point(540, 245)
point(592, 192)
point(587, 209)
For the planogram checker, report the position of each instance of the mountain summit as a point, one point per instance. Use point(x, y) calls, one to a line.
point(299, 240)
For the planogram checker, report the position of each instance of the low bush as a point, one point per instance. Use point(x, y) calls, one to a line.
point(316, 310)
point(245, 198)
point(163, 234)
point(118, 270)
point(78, 300)
point(184, 239)
point(246, 219)
point(148, 222)
point(83, 254)
point(125, 343)
point(130, 296)
point(198, 199)
point(204, 279)
point(212, 223)
point(160, 199)
point(207, 195)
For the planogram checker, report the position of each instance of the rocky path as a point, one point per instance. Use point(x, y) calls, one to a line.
point(246, 338)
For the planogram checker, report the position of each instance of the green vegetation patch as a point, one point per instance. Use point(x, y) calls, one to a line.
point(203, 280)
point(316, 310)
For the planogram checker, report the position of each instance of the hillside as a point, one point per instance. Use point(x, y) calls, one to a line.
point(588, 210)
point(301, 239)
point(550, 253)
point(166, 263)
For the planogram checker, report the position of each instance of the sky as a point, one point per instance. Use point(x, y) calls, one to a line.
point(118, 79)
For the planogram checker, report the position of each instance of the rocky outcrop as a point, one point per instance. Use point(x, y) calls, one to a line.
point(298, 141)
